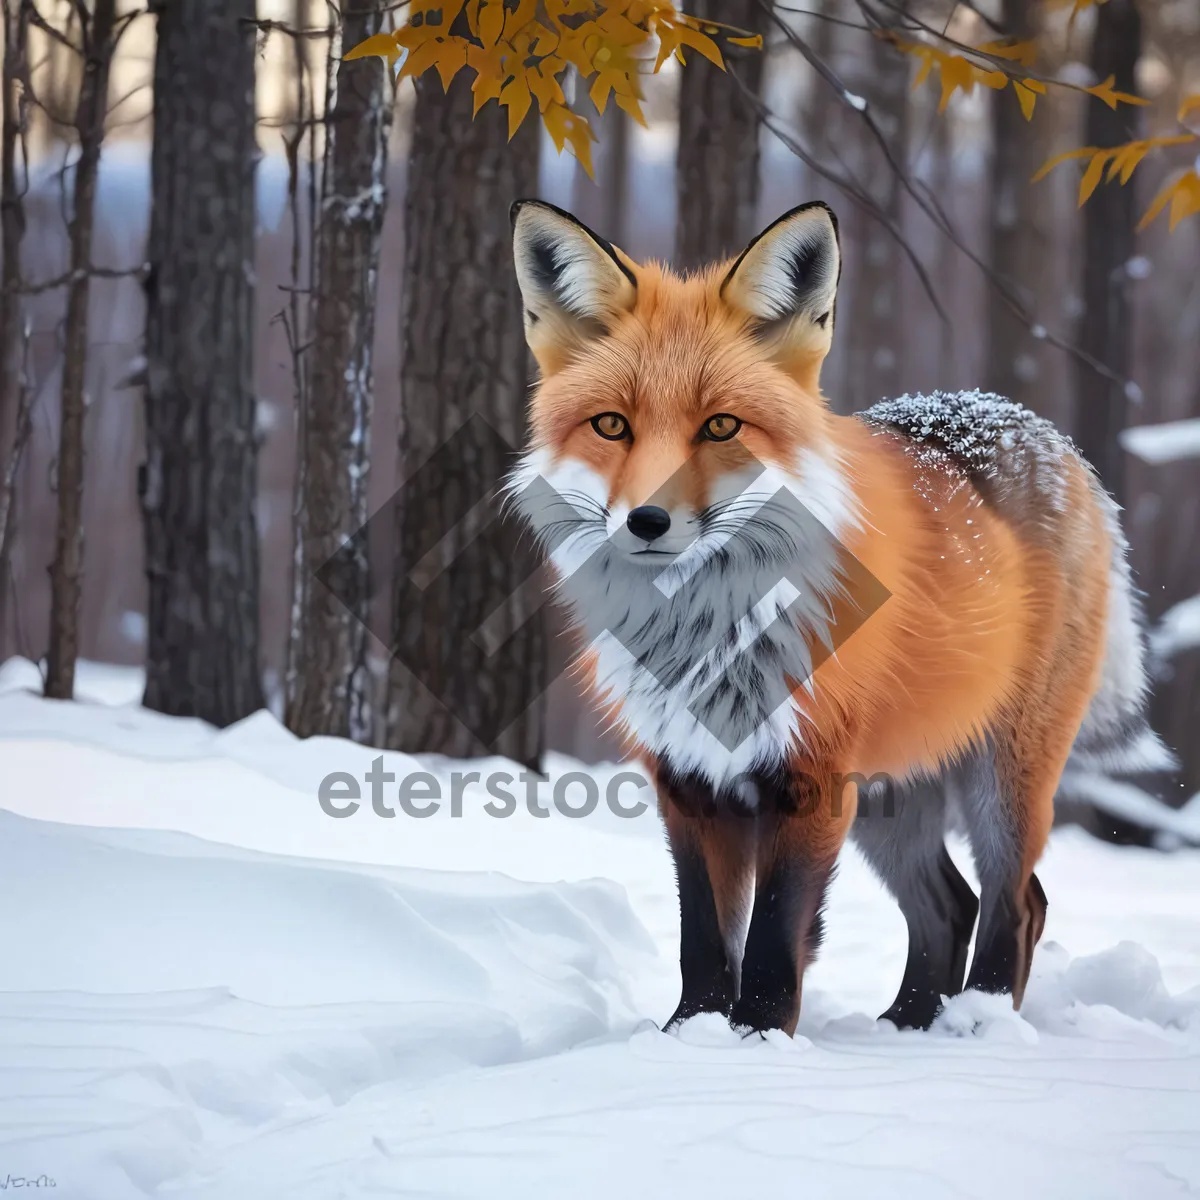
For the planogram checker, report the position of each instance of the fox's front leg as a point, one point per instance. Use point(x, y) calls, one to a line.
point(800, 828)
point(712, 841)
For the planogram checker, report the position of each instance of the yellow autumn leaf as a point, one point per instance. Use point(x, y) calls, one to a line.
point(578, 46)
point(1065, 156)
point(543, 83)
point(569, 129)
point(381, 45)
point(1128, 156)
point(417, 61)
point(485, 88)
point(411, 36)
point(1024, 53)
point(517, 19)
point(1186, 201)
point(701, 43)
point(451, 58)
point(957, 73)
point(642, 11)
point(668, 44)
point(1190, 104)
point(1125, 160)
point(633, 106)
point(437, 15)
point(1183, 195)
point(516, 98)
point(557, 9)
point(616, 27)
point(960, 74)
point(489, 62)
point(491, 22)
point(1104, 91)
point(545, 41)
point(1093, 175)
point(1026, 97)
point(753, 41)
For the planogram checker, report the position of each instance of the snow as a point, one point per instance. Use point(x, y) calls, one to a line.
point(214, 991)
point(984, 432)
point(1178, 630)
point(1170, 441)
point(1122, 799)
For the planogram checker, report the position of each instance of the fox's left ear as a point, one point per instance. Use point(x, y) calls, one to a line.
point(786, 282)
point(574, 285)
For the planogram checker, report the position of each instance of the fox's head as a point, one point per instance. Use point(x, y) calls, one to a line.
point(667, 404)
point(678, 434)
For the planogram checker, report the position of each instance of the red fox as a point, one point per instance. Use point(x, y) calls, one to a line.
point(774, 600)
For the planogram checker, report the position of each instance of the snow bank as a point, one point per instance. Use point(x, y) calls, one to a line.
point(214, 990)
point(1170, 441)
point(163, 994)
point(1178, 630)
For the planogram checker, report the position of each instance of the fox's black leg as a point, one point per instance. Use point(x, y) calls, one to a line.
point(713, 847)
point(1012, 902)
point(798, 840)
point(785, 932)
point(901, 834)
point(1008, 933)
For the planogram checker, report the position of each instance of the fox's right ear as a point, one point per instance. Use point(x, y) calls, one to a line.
point(785, 283)
point(574, 284)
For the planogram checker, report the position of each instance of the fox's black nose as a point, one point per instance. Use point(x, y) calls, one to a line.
point(648, 522)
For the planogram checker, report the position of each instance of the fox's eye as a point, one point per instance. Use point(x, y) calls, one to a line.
point(720, 428)
point(611, 426)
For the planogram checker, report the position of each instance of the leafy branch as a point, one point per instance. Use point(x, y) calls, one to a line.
point(519, 54)
point(1119, 163)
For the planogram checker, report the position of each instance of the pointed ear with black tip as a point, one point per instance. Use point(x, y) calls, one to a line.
point(786, 282)
point(574, 284)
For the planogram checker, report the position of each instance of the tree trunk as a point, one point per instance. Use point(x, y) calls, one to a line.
point(875, 326)
point(16, 399)
point(1105, 329)
point(1020, 242)
point(600, 203)
point(66, 571)
point(327, 682)
point(198, 484)
point(716, 169)
point(463, 387)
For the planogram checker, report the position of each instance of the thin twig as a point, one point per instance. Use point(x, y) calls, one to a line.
point(941, 223)
point(48, 285)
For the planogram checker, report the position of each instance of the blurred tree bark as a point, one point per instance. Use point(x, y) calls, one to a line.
point(463, 377)
point(875, 327)
point(716, 166)
point(198, 484)
point(327, 681)
point(98, 39)
point(600, 203)
point(16, 399)
point(1020, 242)
point(1105, 327)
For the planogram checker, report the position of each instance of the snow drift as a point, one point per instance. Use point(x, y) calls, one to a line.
point(212, 989)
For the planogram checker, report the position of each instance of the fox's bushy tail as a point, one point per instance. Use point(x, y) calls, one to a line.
point(1115, 737)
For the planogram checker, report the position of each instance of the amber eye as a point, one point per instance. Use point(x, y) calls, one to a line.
point(720, 428)
point(611, 426)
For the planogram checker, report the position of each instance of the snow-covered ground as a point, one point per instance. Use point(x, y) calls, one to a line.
point(212, 989)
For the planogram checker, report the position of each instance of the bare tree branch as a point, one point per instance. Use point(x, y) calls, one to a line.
point(933, 212)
